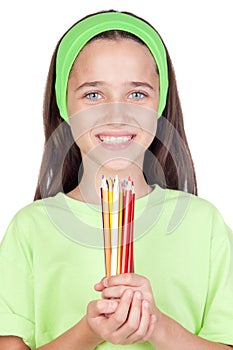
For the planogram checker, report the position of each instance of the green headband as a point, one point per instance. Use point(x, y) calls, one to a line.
point(75, 39)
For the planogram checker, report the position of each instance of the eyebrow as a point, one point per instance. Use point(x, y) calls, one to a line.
point(101, 83)
point(90, 83)
point(141, 83)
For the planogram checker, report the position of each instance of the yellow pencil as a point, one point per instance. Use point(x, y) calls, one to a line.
point(110, 200)
point(111, 223)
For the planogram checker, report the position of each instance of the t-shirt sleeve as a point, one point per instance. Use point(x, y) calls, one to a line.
point(218, 316)
point(16, 284)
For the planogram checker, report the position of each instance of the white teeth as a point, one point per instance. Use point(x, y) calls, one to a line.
point(112, 140)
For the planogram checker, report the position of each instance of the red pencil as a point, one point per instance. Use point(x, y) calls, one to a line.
point(131, 242)
point(126, 228)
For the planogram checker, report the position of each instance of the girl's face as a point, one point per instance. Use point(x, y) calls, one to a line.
point(111, 73)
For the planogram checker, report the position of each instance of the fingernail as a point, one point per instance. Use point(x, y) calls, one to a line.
point(105, 282)
point(130, 293)
point(138, 295)
point(153, 319)
point(113, 304)
point(146, 304)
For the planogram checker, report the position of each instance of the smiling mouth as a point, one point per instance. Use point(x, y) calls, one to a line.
point(115, 140)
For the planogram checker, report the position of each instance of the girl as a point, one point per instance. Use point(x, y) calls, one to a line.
point(111, 107)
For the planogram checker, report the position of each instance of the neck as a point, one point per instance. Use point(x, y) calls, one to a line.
point(89, 188)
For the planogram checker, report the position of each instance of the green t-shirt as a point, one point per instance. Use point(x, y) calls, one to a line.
point(52, 255)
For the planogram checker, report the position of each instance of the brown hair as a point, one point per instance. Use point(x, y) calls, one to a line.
point(167, 162)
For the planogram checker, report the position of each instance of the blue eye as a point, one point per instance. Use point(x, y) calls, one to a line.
point(93, 96)
point(137, 95)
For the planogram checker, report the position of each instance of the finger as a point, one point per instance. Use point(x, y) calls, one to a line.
point(134, 317)
point(121, 314)
point(128, 279)
point(150, 331)
point(100, 307)
point(144, 325)
point(114, 292)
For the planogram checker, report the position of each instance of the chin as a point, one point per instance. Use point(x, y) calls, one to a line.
point(118, 164)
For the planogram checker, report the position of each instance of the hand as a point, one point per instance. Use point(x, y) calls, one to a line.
point(125, 321)
point(114, 286)
point(163, 332)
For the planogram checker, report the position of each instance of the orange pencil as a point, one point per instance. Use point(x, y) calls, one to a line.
point(106, 226)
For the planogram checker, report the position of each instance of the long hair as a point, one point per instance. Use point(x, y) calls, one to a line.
point(167, 161)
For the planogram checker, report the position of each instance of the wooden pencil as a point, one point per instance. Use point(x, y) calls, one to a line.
point(120, 217)
point(118, 204)
point(131, 243)
point(126, 229)
point(114, 211)
point(106, 227)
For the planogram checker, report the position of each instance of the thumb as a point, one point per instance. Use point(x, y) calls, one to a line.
point(100, 285)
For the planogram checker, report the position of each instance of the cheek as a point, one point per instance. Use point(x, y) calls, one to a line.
point(147, 139)
point(79, 132)
point(149, 127)
point(84, 144)
point(73, 100)
point(155, 101)
point(72, 103)
point(148, 131)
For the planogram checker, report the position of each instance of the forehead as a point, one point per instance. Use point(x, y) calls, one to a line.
point(124, 50)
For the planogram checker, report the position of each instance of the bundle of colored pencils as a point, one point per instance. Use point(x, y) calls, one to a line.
point(118, 202)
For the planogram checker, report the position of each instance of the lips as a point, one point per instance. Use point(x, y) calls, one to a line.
point(115, 139)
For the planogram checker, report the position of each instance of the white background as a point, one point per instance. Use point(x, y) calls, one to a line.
point(198, 35)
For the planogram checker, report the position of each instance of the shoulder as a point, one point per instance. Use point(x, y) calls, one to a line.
point(28, 218)
point(34, 209)
point(197, 205)
point(195, 212)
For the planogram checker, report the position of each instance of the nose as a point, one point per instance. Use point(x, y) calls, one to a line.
point(117, 113)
